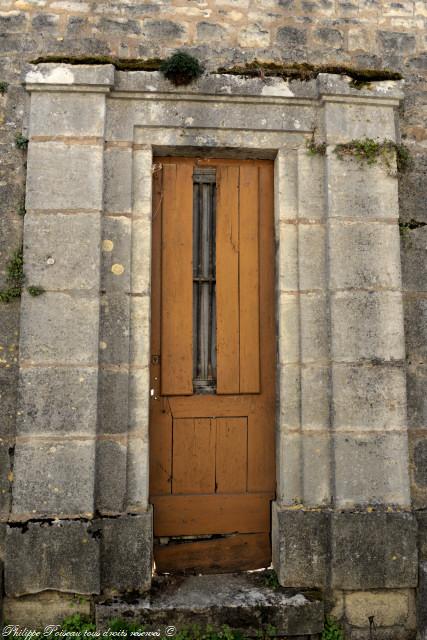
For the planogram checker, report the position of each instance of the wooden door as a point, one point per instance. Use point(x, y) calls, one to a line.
point(212, 461)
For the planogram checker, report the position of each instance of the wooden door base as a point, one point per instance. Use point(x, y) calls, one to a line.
point(240, 552)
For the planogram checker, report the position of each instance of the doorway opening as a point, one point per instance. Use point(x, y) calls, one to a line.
point(212, 405)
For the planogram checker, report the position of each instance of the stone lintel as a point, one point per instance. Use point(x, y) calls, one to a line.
point(345, 550)
point(59, 76)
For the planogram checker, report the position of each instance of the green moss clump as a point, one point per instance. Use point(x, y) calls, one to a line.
point(3, 87)
point(21, 141)
point(371, 151)
point(14, 278)
point(121, 64)
point(181, 68)
point(35, 291)
point(305, 71)
point(332, 630)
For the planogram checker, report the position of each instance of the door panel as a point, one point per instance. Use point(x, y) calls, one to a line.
point(212, 471)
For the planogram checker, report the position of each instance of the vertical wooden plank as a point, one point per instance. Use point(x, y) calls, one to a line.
point(231, 455)
point(249, 303)
point(160, 416)
point(177, 280)
point(227, 279)
point(261, 423)
point(193, 465)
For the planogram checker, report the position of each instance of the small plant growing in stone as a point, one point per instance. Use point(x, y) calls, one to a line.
point(332, 630)
point(3, 87)
point(21, 208)
point(181, 68)
point(271, 580)
point(14, 278)
point(35, 291)
point(21, 141)
point(315, 148)
point(371, 151)
point(78, 625)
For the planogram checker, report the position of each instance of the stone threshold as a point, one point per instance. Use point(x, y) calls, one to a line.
point(243, 601)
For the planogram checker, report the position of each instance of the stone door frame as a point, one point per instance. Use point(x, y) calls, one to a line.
point(93, 133)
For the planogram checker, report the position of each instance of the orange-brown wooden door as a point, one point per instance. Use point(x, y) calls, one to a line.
point(212, 460)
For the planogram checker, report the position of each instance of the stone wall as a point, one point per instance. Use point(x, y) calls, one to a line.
point(362, 33)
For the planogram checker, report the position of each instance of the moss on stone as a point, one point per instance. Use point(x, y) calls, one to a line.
point(3, 87)
point(370, 151)
point(305, 71)
point(14, 277)
point(121, 64)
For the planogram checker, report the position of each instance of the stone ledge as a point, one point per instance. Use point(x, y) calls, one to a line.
point(242, 601)
point(47, 75)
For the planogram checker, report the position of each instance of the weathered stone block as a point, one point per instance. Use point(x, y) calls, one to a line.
point(311, 170)
point(58, 176)
point(210, 32)
point(141, 257)
point(389, 608)
point(315, 390)
point(364, 255)
point(288, 315)
point(378, 473)
point(287, 257)
point(374, 550)
point(360, 191)
point(113, 401)
point(311, 256)
point(414, 262)
point(62, 556)
point(62, 251)
point(422, 601)
point(47, 607)
point(290, 395)
point(422, 534)
point(316, 460)
point(8, 395)
point(416, 378)
point(57, 400)
point(54, 478)
point(140, 330)
point(116, 254)
point(111, 458)
point(345, 122)
point(118, 180)
point(67, 114)
point(367, 397)
point(415, 328)
point(114, 328)
point(5, 477)
point(65, 74)
point(300, 547)
point(314, 327)
point(60, 327)
point(367, 325)
point(288, 456)
point(126, 553)
point(138, 470)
